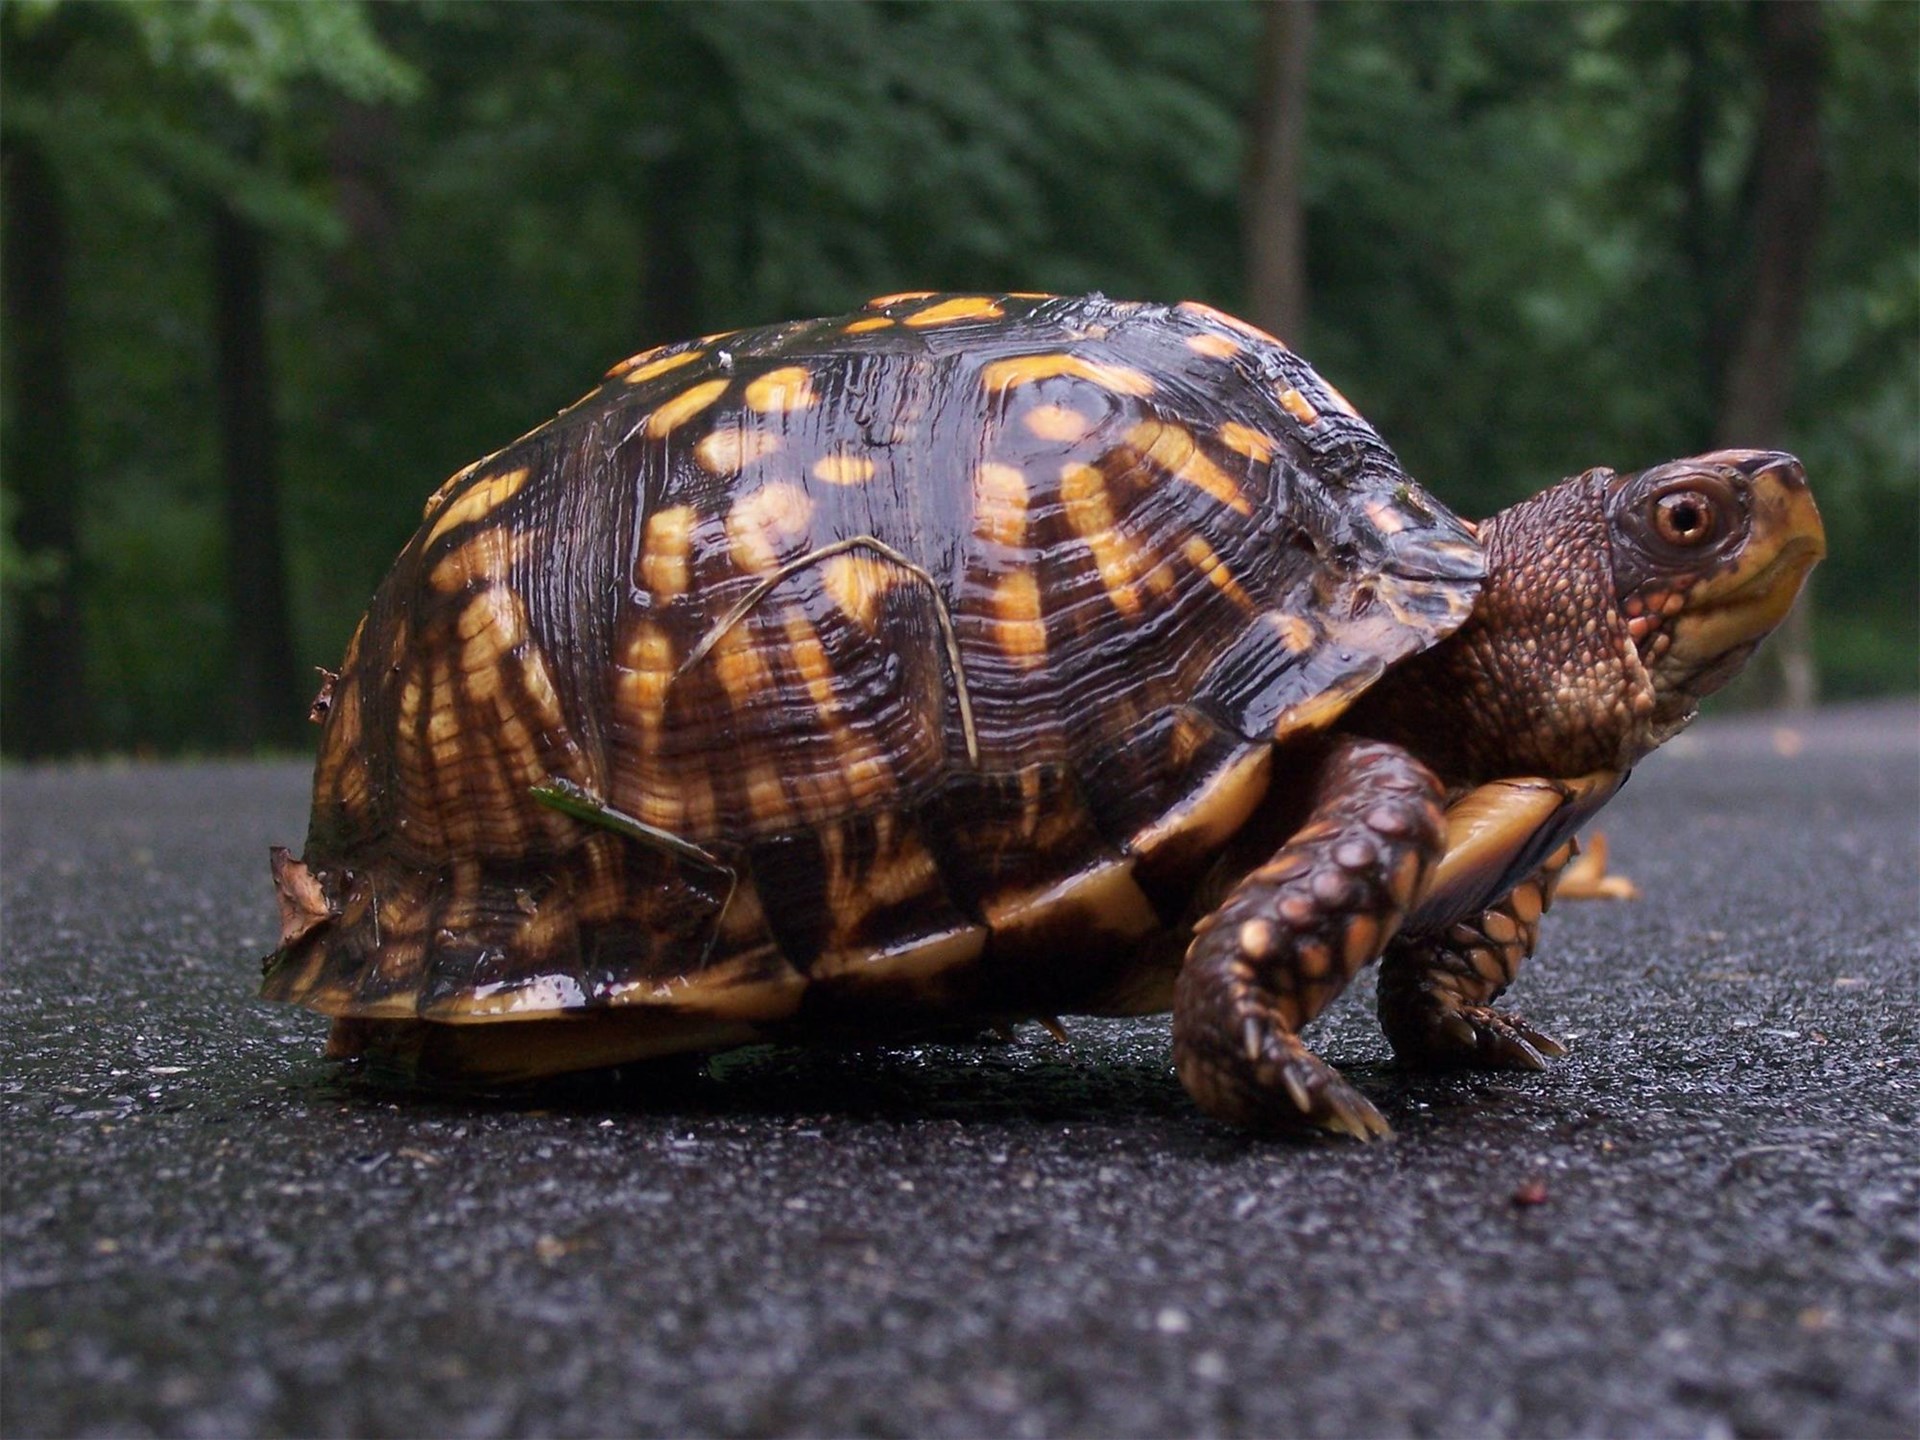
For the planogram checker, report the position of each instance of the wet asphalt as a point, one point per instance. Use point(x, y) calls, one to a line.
point(1703, 1222)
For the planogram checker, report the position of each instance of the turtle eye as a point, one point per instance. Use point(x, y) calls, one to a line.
point(1685, 518)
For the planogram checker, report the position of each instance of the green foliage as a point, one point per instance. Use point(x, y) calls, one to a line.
point(476, 208)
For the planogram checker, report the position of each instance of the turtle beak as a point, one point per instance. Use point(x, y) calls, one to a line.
point(1731, 611)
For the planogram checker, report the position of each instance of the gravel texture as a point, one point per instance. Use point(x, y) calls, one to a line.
point(1703, 1222)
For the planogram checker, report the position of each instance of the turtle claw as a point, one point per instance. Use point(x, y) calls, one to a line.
point(1268, 1081)
point(1321, 1097)
point(1478, 1037)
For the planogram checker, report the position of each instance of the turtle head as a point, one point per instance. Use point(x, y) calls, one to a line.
point(1612, 604)
point(1708, 556)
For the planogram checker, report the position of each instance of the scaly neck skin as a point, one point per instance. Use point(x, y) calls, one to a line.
point(1544, 678)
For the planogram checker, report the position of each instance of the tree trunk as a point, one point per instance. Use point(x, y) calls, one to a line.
point(1273, 232)
point(1788, 186)
point(47, 710)
point(266, 704)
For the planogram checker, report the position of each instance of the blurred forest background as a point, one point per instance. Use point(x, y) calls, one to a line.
point(272, 271)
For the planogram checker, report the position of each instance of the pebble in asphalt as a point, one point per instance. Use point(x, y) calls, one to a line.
point(1702, 1222)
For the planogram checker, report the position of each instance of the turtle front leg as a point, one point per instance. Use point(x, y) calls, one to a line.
point(1292, 933)
point(1437, 990)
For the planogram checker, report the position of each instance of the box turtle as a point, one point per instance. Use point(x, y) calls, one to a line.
point(972, 659)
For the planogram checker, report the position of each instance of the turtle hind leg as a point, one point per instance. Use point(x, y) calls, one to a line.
point(1588, 878)
point(1287, 939)
point(1437, 990)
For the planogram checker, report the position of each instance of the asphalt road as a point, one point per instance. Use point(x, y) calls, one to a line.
point(206, 1232)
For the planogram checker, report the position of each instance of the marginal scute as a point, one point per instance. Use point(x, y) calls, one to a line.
point(914, 962)
point(1218, 806)
point(1104, 898)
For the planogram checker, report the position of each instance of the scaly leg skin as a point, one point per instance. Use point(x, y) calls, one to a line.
point(1437, 991)
point(1291, 934)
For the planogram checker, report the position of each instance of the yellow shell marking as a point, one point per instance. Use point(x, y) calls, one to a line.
point(947, 312)
point(1003, 375)
point(492, 625)
point(1209, 564)
point(881, 301)
point(764, 524)
point(1386, 518)
point(487, 555)
point(1232, 322)
point(1248, 442)
point(1216, 809)
point(538, 683)
point(1217, 347)
point(663, 560)
point(647, 674)
point(778, 391)
point(684, 406)
point(1000, 504)
point(642, 373)
point(478, 501)
point(1295, 404)
point(1173, 450)
point(731, 448)
point(1083, 490)
point(1106, 898)
point(1297, 634)
point(809, 657)
point(497, 609)
point(1056, 422)
point(614, 372)
point(742, 668)
point(841, 468)
point(861, 773)
point(856, 581)
point(447, 487)
point(872, 322)
point(1021, 632)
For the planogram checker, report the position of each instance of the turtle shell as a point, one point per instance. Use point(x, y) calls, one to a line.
point(915, 662)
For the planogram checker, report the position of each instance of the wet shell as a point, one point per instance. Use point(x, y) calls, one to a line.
point(904, 664)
